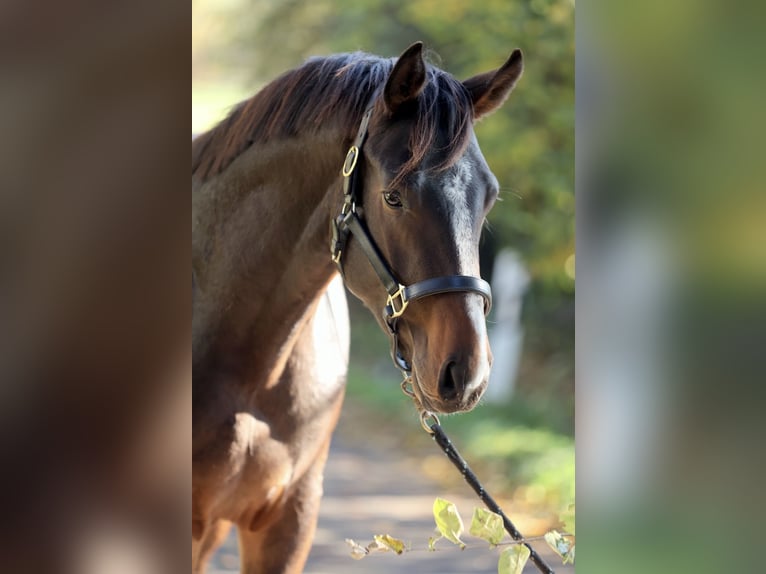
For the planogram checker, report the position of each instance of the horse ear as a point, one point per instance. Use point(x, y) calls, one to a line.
point(407, 79)
point(489, 91)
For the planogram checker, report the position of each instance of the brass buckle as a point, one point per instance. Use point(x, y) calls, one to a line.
point(350, 162)
point(348, 205)
point(403, 302)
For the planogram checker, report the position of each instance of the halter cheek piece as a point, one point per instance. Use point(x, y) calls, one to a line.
point(350, 221)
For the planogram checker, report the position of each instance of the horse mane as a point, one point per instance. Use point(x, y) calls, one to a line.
point(335, 91)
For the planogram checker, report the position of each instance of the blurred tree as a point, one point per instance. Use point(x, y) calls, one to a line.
point(529, 143)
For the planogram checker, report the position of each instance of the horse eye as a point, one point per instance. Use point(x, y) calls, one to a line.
point(392, 198)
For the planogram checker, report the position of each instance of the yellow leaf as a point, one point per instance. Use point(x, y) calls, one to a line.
point(560, 545)
point(513, 559)
point(487, 525)
point(357, 551)
point(448, 521)
point(390, 542)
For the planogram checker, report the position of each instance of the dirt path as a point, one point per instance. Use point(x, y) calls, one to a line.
point(375, 490)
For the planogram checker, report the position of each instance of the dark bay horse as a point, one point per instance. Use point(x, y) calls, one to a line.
point(377, 158)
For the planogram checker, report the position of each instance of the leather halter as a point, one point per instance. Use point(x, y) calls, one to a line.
point(350, 221)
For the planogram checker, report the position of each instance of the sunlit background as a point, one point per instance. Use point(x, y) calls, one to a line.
point(523, 433)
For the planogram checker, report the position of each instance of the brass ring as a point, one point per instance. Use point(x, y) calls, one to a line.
point(350, 163)
point(424, 416)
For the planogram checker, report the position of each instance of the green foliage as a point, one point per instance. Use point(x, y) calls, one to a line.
point(542, 460)
point(511, 447)
point(568, 519)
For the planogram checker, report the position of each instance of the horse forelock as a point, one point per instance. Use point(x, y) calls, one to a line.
point(442, 127)
point(335, 91)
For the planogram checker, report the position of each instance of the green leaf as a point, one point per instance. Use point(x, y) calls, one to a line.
point(487, 525)
point(390, 542)
point(513, 559)
point(357, 551)
point(448, 521)
point(560, 545)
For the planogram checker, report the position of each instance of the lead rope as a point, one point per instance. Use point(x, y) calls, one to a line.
point(430, 423)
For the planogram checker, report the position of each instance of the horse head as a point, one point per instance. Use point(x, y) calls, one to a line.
point(426, 190)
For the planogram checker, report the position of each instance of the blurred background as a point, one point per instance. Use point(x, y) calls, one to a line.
point(671, 244)
point(523, 433)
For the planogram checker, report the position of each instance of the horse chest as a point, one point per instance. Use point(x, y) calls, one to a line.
point(256, 451)
point(252, 448)
point(243, 469)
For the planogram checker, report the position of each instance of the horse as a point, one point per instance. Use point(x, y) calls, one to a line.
point(377, 158)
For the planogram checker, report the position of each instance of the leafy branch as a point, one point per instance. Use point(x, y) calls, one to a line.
point(486, 525)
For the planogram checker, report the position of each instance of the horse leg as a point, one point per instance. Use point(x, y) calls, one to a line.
point(283, 546)
point(203, 549)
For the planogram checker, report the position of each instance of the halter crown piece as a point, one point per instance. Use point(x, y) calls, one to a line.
point(350, 221)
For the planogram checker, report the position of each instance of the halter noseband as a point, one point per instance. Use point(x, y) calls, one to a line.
point(349, 221)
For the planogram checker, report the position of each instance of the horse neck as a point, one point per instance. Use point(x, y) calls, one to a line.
point(261, 248)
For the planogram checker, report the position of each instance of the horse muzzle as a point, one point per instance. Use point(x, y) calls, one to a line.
point(451, 358)
point(458, 388)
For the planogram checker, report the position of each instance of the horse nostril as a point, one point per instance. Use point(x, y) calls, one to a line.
point(448, 382)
